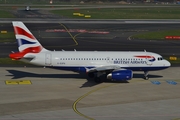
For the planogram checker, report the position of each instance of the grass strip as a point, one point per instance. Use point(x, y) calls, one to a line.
point(156, 35)
point(9, 61)
point(173, 61)
point(122, 13)
point(8, 35)
point(6, 14)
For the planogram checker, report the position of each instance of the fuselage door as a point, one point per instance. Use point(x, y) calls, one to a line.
point(48, 59)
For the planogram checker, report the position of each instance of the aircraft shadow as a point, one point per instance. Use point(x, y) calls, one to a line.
point(21, 74)
point(15, 74)
point(138, 75)
point(90, 82)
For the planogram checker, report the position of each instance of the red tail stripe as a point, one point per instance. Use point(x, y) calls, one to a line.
point(20, 55)
point(20, 31)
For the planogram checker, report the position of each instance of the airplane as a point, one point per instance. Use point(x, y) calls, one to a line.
point(114, 65)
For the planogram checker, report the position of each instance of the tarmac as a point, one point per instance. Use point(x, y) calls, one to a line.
point(57, 95)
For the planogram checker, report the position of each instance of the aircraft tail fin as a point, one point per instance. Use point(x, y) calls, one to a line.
point(27, 43)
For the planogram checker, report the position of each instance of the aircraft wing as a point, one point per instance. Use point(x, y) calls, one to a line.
point(103, 68)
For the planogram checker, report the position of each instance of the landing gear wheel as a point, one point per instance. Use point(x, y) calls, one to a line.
point(146, 75)
point(91, 75)
point(146, 78)
point(98, 80)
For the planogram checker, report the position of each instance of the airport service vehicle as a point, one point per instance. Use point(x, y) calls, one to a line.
point(27, 8)
point(118, 66)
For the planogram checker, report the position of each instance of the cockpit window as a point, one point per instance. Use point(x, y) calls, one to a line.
point(160, 58)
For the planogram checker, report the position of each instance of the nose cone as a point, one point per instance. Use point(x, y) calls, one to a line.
point(167, 63)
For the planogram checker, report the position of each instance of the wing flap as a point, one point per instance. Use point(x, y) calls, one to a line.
point(103, 68)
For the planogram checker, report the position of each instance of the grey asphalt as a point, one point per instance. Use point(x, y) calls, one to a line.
point(53, 92)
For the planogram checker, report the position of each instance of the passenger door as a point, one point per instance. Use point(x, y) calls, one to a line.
point(48, 59)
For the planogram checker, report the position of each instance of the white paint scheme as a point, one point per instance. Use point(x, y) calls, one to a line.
point(57, 57)
point(93, 61)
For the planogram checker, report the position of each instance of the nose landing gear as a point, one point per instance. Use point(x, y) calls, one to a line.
point(146, 75)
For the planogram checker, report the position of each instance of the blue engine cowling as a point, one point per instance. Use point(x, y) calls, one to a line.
point(120, 75)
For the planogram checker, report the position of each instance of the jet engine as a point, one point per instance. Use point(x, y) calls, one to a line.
point(119, 75)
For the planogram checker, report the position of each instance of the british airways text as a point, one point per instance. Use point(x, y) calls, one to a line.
point(129, 62)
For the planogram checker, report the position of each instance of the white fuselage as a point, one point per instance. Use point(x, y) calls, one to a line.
point(73, 60)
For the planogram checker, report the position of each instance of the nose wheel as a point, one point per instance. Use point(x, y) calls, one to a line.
point(146, 78)
point(146, 75)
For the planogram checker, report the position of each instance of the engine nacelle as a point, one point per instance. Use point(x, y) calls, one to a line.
point(122, 74)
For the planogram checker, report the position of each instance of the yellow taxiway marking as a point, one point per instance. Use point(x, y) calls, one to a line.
point(85, 95)
point(76, 43)
point(18, 82)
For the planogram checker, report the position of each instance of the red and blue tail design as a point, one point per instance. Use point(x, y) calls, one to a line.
point(26, 41)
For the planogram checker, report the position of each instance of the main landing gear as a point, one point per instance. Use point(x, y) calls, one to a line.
point(98, 80)
point(91, 75)
point(97, 76)
point(146, 75)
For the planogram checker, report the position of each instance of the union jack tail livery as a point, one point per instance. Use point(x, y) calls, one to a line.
point(25, 38)
point(26, 41)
